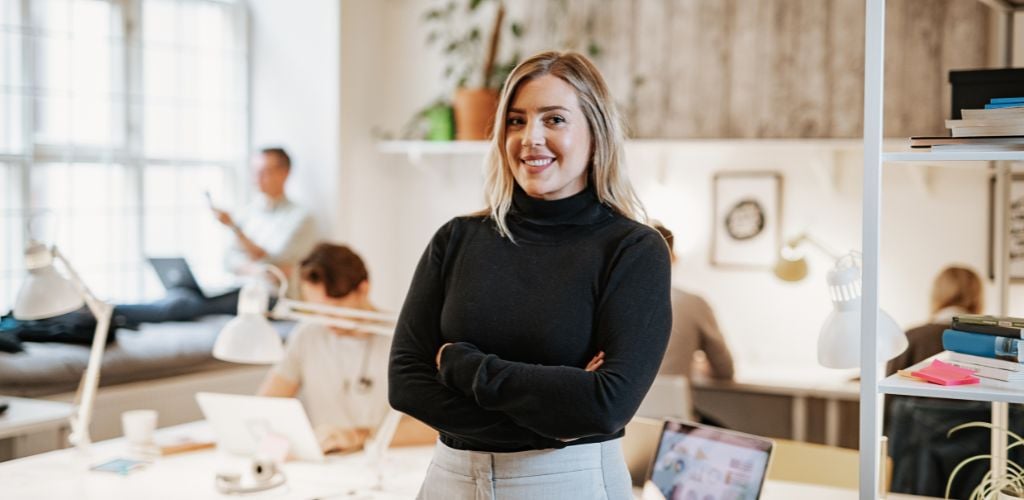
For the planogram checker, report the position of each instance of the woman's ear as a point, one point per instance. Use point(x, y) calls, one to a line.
point(363, 288)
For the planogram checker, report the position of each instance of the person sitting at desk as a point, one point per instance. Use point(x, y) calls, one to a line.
point(956, 290)
point(693, 329)
point(342, 374)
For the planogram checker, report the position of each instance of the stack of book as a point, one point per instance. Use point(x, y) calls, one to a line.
point(997, 127)
point(990, 346)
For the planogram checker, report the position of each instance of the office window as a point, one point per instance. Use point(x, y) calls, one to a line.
point(115, 117)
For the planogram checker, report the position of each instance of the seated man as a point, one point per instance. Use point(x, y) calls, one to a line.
point(694, 330)
point(272, 229)
point(342, 373)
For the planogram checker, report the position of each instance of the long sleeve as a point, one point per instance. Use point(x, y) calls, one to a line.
point(631, 325)
point(413, 385)
point(297, 240)
point(713, 343)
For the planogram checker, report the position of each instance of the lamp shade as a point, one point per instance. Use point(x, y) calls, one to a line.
point(249, 338)
point(791, 265)
point(44, 293)
point(839, 340)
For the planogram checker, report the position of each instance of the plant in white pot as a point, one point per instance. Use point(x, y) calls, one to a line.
point(1007, 486)
point(471, 66)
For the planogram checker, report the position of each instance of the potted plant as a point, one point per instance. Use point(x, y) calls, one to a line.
point(1008, 486)
point(472, 67)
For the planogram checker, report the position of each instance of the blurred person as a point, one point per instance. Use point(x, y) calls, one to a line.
point(694, 330)
point(956, 290)
point(272, 229)
point(341, 373)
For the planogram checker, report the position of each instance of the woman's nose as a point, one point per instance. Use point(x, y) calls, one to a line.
point(533, 135)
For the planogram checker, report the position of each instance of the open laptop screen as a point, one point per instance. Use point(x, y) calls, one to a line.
point(697, 462)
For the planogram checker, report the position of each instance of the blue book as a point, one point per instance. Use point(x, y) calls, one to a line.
point(1006, 100)
point(1005, 105)
point(979, 344)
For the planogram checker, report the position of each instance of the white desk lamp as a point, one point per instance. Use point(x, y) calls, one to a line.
point(839, 340)
point(45, 294)
point(249, 338)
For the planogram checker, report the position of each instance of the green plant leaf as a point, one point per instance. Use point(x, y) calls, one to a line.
point(474, 34)
point(473, 4)
point(517, 29)
point(432, 14)
point(593, 49)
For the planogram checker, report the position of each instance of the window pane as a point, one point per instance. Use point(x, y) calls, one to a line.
point(178, 220)
point(11, 243)
point(191, 79)
point(79, 74)
point(96, 222)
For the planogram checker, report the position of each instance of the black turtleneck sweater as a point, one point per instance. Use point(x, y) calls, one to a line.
point(525, 318)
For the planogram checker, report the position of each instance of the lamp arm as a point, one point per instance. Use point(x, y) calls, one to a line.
point(85, 397)
point(816, 244)
point(282, 280)
point(380, 323)
point(94, 304)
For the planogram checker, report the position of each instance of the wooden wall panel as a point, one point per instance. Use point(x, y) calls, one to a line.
point(764, 68)
point(845, 68)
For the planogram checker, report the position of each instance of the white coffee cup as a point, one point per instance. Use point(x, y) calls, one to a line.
point(138, 426)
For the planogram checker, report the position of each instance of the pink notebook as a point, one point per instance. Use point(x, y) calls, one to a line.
point(946, 374)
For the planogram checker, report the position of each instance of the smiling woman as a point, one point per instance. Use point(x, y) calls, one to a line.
point(533, 329)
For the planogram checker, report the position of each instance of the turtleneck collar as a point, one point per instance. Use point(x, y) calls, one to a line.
point(582, 208)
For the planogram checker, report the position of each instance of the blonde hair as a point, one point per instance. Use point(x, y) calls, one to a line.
point(960, 287)
point(607, 169)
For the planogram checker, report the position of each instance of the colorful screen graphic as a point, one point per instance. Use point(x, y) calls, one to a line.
point(704, 463)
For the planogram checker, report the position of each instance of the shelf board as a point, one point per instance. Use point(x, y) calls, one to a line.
point(927, 155)
point(986, 390)
point(432, 147)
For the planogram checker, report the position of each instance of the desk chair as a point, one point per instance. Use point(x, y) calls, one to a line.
point(639, 446)
point(668, 397)
point(811, 463)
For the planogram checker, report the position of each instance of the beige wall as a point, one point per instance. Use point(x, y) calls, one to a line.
point(387, 207)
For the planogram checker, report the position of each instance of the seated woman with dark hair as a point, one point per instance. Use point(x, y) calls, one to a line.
point(342, 374)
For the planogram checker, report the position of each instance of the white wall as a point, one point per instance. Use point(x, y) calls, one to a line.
point(390, 207)
point(295, 73)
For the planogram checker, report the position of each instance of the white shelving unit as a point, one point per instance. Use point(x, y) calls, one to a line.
point(871, 387)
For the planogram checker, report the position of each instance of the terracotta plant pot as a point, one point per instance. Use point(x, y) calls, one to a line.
point(474, 113)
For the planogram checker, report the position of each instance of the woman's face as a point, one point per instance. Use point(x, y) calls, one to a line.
point(547, 139)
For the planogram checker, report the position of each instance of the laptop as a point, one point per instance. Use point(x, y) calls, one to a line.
point(174, 272)
point(240, 423)
point(699, 461)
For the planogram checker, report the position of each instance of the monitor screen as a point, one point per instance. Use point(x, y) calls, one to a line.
point(696, 462)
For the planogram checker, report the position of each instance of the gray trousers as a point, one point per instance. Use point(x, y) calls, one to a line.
point(586, 471)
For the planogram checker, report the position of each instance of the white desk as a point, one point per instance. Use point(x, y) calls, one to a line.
point(33, 419)
point(798, 383)
point(64, 474)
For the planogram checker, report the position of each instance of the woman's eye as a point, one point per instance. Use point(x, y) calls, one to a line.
point(514, 121)
point(556, 119)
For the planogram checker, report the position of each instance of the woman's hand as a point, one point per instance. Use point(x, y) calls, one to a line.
point(344, 439)
point(595, 363)
point(437, 359)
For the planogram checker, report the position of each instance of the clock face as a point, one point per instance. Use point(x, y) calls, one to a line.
point(745, 220)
